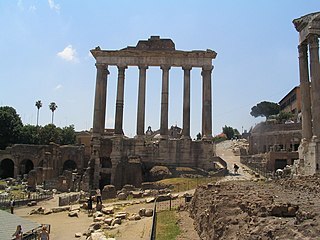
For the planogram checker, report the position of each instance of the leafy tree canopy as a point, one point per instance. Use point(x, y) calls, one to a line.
point(10, 126)
point(230, 132)
point(265, 109)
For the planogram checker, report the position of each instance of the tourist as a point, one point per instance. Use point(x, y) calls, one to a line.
point(12, 203)
point(98, 196)
point(236, 168)
point(89, 202)
point(43, 235)
point(18, 233)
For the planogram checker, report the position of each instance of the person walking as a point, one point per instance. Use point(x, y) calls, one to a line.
point(12, 203)
point(18, 233)
point(44, 234)
point(98, 196)
point(89, 202)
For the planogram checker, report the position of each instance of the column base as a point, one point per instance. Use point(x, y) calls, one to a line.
point(207, 138)
point(185, 137)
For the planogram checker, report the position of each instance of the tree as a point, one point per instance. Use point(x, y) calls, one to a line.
point(29, 134)
point(49, 133)
point(53, 106)
point(284, 116)
point(230, 132)
point(265, 109)
point(10, 126)
point(38, 105)
point(68, 135)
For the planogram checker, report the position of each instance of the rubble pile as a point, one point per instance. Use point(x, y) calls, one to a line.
point(249, 210)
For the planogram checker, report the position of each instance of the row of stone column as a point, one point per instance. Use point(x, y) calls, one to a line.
point(310, 93)
point(101, 92)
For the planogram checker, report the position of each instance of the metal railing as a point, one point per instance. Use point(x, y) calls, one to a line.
point(167, 205)
point(24, 199)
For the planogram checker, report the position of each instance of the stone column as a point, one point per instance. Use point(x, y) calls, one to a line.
point(120, 100)
point(206, 102)
point(100, 94)
point(104, 99)
point(305, 91)
point(141, 100)
point(164, 101)
point(186, 102)
point(315, 83)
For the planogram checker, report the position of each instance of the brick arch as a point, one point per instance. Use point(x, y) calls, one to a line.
point(6, 168)
point(25, 166)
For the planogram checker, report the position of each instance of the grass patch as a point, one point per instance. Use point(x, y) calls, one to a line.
point(167, 227)
point(184, 184)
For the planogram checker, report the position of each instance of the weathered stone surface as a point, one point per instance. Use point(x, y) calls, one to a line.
point(142, 212)
point(73, 214)
point(122, 196)
point(122, 215)
point(97, 236)
point(108, 210)
point(32, 203)
point(136, 194)
point(97, 214)
point(108, 192)
point(60, 209)
point(108, 221)
point(149, 212)
point(77, 235)
point(116, 221)
point(159, 172)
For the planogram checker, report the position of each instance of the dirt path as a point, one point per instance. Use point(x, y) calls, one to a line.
point(224, 150)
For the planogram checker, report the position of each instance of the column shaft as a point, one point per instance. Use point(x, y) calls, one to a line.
point(305, 92)
point(98, 102)
point(164, 101)
point(118, 128)
point(206, 103)
point(104, 99)
point(141, 100)
point(186, 102)
point(315, 83)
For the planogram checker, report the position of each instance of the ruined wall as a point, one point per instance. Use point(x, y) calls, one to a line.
point(274, 137)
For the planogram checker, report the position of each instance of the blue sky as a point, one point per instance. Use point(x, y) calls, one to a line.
point(44, 55)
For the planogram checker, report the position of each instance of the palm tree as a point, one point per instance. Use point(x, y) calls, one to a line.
point(38, 105)
point(53, 106)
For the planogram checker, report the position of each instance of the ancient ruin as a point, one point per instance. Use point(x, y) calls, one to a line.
point(308, 27)
point(119, 160)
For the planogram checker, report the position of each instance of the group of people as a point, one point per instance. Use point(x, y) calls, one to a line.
point(43, 234)
point(90, 200)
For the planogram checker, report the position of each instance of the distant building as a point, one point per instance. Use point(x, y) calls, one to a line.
point(292, 102)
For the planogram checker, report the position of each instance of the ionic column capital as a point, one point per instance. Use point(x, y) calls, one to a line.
point(143, 66)
point(207, 68)
point(122, 67)
point(102, 67)
point(187, 67)
point(165, 67)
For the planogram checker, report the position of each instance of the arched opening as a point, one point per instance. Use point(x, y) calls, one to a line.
point(106, 162)
point(105, 179)
point(6, 168)
point(69, 165)
point(26, 166)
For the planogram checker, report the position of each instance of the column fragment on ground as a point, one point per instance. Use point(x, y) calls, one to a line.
point(206, 102)
point(141, 100)
point(315, 83)
point(305, 91)
point(118, 129)
point(186, 102)
point(164, 101)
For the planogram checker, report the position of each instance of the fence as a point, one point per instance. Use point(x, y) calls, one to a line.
point(171, 204)
point(24, 199)
point(260, 169)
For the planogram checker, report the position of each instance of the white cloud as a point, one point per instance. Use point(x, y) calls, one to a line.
point(54, 6)
point(59, 86)
point(68, 54)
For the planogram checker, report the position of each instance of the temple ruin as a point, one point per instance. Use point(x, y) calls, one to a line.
point(308, 27)
point(120, 160)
